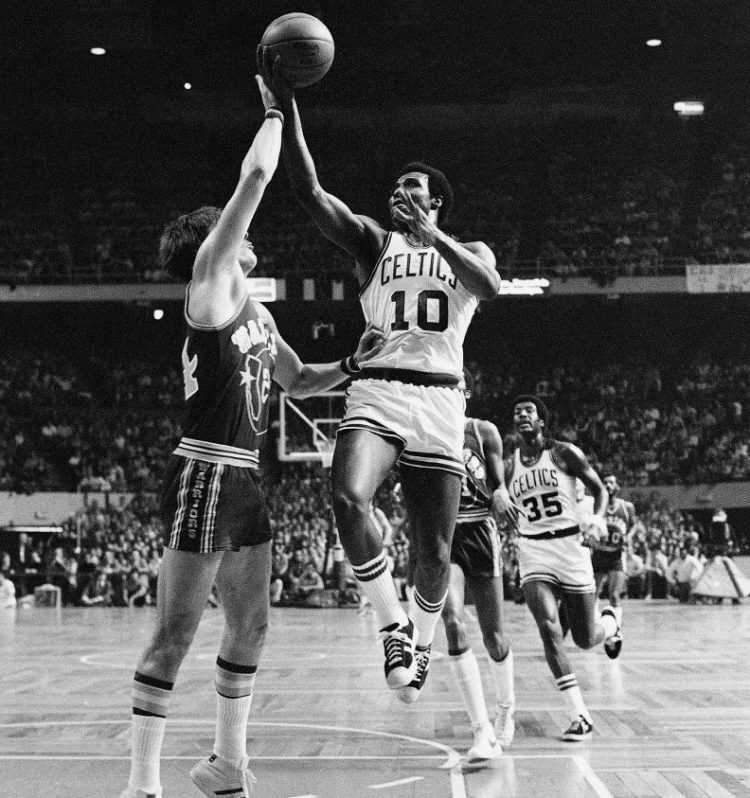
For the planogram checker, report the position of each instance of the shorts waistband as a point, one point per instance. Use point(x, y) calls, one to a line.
point(557, 533)
point(409, 376)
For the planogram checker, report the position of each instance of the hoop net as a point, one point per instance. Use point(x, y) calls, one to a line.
point(325, 446)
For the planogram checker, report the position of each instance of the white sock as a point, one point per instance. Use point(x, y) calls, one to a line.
point(502, 673)
point(147, 735)
point(231, 728)
point(234, 695)
point(426, 616)
point(465, 670)
point(609, 624)
point(571, 692)
point(410, 605)
point(377, 584)
point(151, 697)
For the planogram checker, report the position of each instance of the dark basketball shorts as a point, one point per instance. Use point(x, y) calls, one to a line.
point(476, 548)
point(605, 561)
point(209, 507)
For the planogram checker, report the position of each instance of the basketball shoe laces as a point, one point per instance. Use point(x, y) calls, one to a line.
point(394, 644)
point(423, 661)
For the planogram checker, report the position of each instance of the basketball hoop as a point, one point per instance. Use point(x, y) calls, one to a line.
point(325, 448)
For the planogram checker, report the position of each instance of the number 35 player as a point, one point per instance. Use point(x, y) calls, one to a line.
point(554, 565)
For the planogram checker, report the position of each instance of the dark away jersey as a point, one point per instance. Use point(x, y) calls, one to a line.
point(476, 493)
point(227, 374)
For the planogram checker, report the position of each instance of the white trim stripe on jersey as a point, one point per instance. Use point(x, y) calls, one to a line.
point(370, 276)
point(219, 453)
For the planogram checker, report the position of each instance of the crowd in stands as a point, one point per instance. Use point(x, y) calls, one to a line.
point(591, 198)
point(71, 426)
point(108, 555)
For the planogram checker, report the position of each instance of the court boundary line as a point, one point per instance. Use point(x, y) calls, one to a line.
point(452, 761)
point(596, 784)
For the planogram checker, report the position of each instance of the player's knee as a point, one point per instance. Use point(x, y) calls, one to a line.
point(434, 555)
point(349, 505)
point(170, 646)
point(584, 638)
point(497, 645)
point(551, 632)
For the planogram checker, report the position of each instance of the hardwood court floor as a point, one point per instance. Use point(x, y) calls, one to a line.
point(671, 715)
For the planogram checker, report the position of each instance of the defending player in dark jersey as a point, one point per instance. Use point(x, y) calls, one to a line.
point(211, 501)
point(608, 552)
point(475, 561)
point(554, 565)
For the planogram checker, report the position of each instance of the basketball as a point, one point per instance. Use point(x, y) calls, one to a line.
point(305, 45)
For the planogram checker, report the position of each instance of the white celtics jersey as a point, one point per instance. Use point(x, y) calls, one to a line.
point(545, 493)
point(415, 299)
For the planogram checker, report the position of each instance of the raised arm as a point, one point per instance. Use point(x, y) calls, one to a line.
point(358, 235)
point(220, 250)
point(218, 279)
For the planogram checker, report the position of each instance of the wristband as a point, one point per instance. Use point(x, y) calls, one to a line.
point(348, 367)
point(274, 112)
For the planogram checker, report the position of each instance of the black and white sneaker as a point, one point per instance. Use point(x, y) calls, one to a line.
point(399, 643)
point(410, 693)
point(613, 644)
point(578, 731)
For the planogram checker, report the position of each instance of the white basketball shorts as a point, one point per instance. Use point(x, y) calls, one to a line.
point(427, 422)
point(562, 561)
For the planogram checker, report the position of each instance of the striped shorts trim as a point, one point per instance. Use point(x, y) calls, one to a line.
point(436, 461)
point(362, 422)
point(197, 501)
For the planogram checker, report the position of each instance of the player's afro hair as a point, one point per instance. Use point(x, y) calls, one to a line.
point(541, 408)
point(438, 184)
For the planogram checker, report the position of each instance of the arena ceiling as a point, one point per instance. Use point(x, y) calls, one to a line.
point(406, 50)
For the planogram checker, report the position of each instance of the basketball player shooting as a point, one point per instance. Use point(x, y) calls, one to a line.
point(421, 288)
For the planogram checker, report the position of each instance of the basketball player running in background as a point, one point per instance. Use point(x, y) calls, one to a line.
point(211, 502)
point(608, 552)
point(421, 288)
point(475, 561)
point(554, 565)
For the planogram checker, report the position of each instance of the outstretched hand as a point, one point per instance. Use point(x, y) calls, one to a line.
point(418, 222)
point(370, 344)
point(504, 508)
point(269, 69)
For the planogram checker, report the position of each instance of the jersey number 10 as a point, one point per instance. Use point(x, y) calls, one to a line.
point(399, 300)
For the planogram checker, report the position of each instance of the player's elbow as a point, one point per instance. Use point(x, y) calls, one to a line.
point(259, 173)
point(299, 387)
